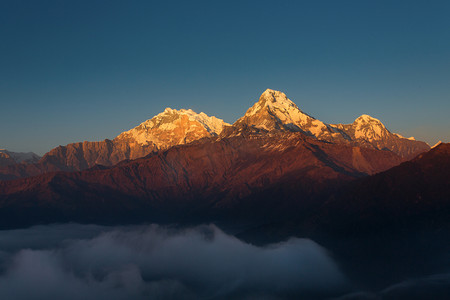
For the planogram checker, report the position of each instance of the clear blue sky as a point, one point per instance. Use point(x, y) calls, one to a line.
point(88, 70)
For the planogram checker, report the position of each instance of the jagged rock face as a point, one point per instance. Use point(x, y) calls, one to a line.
point(274, 111)
point(83, 155)
point(370, 132)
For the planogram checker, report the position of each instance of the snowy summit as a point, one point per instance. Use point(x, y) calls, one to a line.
point(173, 127)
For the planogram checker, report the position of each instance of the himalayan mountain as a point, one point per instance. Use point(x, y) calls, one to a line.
point(274, 112)
point(276, 163)
point(8, 158)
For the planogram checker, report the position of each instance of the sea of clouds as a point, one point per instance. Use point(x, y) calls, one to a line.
point(73, 261)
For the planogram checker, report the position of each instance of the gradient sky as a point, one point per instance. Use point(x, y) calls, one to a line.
point(88, 70)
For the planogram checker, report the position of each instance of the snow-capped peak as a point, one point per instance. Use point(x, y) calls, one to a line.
point(275, 104)
point(173, 127)
point(274, 111)
point(278, 104)
point(369, 128)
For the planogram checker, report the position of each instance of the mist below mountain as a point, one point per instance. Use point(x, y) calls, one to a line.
point(151, 262)
point(72, 261)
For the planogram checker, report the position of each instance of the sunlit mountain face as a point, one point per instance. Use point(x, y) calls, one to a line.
point(278, 205)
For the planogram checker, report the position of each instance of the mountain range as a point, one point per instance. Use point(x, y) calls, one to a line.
point(273, 112)
point(274, 163)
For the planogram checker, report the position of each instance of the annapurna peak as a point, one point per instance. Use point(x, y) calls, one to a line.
point(173, 127)
point(275, 111)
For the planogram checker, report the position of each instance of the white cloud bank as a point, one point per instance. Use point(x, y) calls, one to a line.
point(152, 262)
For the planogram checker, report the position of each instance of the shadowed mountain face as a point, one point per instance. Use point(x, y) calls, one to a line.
point(202, 180)
point(413, 195)
point(397, 220)
point(272, 112)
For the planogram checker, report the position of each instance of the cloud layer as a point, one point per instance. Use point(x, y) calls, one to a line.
point(153, 262)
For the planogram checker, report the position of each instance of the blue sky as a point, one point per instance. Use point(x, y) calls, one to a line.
point(88, 70)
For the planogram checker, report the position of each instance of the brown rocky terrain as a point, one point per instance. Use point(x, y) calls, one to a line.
point(203, 179)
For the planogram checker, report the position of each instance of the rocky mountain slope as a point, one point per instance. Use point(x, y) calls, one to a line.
point(252, 175)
